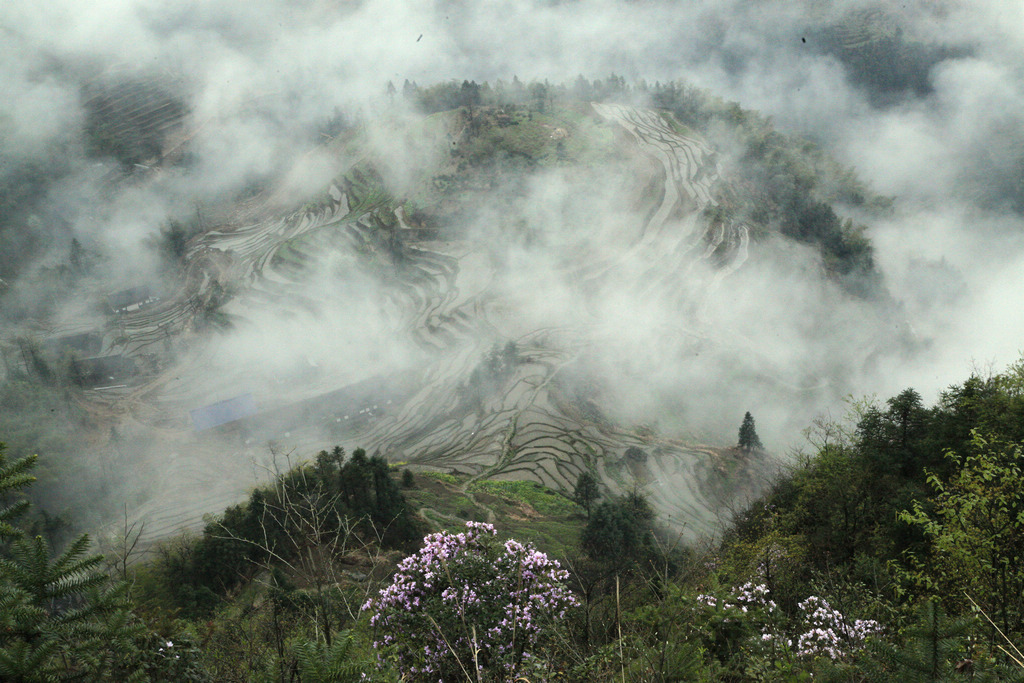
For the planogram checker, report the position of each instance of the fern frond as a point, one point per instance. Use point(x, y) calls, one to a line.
point(319, 663)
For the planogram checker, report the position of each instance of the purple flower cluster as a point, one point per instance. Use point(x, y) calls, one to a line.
point(830, 634)
point(465, 594)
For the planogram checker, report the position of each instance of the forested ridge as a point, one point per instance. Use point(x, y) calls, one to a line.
point(893, 549)
point(782, 183)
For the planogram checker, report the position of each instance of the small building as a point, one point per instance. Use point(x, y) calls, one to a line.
point(131, 299)
point(102, 371)
point(223, 412)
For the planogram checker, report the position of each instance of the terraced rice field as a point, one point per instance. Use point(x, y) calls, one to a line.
point(443, 301)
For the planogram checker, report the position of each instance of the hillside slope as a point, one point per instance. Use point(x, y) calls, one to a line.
point(507, 296)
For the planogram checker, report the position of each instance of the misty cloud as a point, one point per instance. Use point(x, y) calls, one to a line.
point(259, 81)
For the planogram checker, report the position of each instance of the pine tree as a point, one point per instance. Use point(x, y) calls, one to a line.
point(60, 618)
point(620, 530)
point(935, 649)
point(586, 491)
point(408, 480)
point(748, 435)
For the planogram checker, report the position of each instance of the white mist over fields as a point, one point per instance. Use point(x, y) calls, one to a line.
point(656, 335)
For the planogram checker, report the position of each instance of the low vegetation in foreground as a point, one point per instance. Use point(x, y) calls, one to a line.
point(893, 551)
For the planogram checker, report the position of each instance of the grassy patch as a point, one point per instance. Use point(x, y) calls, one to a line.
point(556, 537)
point(542, 499)
point(442, 476)
point(528, 511)
point(523, 510)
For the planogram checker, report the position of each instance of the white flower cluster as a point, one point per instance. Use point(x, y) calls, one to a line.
point(830, 634)
point(825, 631)
point(169, 652)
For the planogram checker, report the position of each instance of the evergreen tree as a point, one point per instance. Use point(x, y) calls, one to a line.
point(586, 492)
point(748, 435)
point(935, 648)
point(408, 480)
point(60, 618)
point(620, 531)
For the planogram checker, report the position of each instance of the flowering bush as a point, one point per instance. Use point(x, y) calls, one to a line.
point(741, 623)
point(466, 600)
point(829, 633)
point(746, 623)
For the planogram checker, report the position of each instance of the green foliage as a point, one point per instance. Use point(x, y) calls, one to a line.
point(748, 439)
point(60, 618)
point(14, 476)
point(334, 663)
point(31, 569)
point(667, 661)
point(906, 503)
point(932, 646)
point(539, 497)
point(445, 477)
point(685, 633)
point(175, 661)
point(975, 525)
point(935, 649)
point(620, 531)
point(660, 642)
point(838, 508)
point(788, 183)
point(896, 440)
point(587, 491)
point(306, 513)
point(408, 480)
